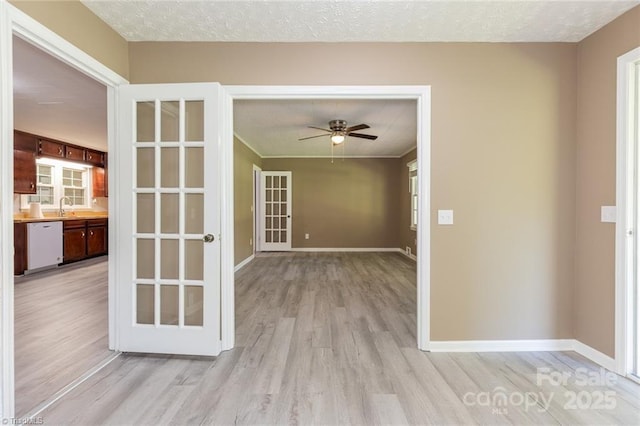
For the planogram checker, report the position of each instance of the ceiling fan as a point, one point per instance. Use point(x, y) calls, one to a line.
point(338, 131)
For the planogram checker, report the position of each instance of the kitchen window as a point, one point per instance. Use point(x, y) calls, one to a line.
point(413, 190)
point(57, 179)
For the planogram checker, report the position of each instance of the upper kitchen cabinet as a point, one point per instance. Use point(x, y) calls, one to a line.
point(95, 158)
point(56, 149)
point(49, 148)
point(24, 163)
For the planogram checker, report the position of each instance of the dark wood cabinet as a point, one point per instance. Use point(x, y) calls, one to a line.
point(19, 248)
point(50, 148)
point(95, 158)
point(73, 153)
point(75, 240)
point(99, 179)
point(24, 163)
point(84, 238)
point(97, 237)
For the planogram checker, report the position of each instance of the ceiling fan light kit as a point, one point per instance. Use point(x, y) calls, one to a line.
point(338, 132)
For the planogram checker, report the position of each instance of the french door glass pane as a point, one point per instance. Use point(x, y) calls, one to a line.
point(193, 311)
point(169, 300)
point(169, 259)
point(169, 213)
point(146, 220)
point(169, 121)
point(194, 116)
point(145, 121)
point(169, 167)
point(145, 304)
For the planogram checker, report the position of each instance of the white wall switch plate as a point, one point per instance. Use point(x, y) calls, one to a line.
point(608, 214)
point(306, 236)
point(445, 217)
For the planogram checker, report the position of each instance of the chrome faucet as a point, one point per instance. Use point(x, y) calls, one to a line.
point(69, 202)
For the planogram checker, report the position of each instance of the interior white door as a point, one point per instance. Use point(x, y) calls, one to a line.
point(169, 219)
point(276, 211)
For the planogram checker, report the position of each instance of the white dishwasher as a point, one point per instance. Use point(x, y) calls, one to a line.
point(44, 245)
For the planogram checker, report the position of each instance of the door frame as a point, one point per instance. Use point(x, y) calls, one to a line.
point(15, 22)
point(626, 233)
point(256, 201)
point(422, 96)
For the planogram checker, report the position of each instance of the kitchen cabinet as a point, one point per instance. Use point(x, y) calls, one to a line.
point(19, 248)
point(95, 158)
point(97, 237)
point(99, 178)
point(74, 240)
point(50, 148)
point(74, 153)
point(24, 163)
point(84, 238)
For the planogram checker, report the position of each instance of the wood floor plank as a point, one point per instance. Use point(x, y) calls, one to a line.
point(61, 329)
point(329, 339)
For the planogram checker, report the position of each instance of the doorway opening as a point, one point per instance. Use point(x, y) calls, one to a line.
point(60, 227)
point(420, 97)
point(627, 308)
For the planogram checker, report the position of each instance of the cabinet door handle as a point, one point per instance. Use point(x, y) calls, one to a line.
point(69, 153)
point(59, 150)
point(91, 233)
point(90, 157)
point(32, 185)
point(82, 234)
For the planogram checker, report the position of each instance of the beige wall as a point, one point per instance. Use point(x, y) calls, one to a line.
point(503, 158)
point(406, 236)
point(71, 20)
point(596, 174)
point(243, 161)
point(350, 203)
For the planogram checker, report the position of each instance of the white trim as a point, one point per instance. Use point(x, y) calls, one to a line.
point(235, 135)
point(422, 95)
point(594, 355)
point(410, 256)
point(626, 227)
point(335, 157)
point(244, 263)
point(410, 149)
point(535, 345)
point(348, 249)
point(7, 390)
point(227, 243)
point(502, 345)
point(71, 386)
point(15, 22)
point(256, 201)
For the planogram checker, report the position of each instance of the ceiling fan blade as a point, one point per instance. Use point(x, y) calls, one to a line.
point(360, 135)
point(311, 137)
point(357, 127)
point(320, 128)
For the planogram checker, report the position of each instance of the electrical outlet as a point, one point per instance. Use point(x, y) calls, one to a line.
point(306, 236)
point(407, 250)
point(445, 217)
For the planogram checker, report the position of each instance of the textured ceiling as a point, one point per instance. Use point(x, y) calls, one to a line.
point(272, 127)
point(358, 20)
point(52, 99)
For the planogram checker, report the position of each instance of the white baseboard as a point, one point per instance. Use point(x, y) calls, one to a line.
point(347, 249)
point(502, 345)
point(410, 256)
point(244, 263)
point(595, 355)
point(525, 346)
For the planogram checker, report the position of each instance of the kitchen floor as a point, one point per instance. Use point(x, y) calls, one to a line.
point(61, 329)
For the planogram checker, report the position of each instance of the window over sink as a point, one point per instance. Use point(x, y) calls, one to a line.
point(57, 179)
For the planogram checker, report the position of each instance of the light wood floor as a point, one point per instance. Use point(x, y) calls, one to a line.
point(61, 329)
point(330, 339)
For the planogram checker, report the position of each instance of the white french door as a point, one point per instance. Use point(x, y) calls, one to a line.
point(169, 219)
point(275, 211)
